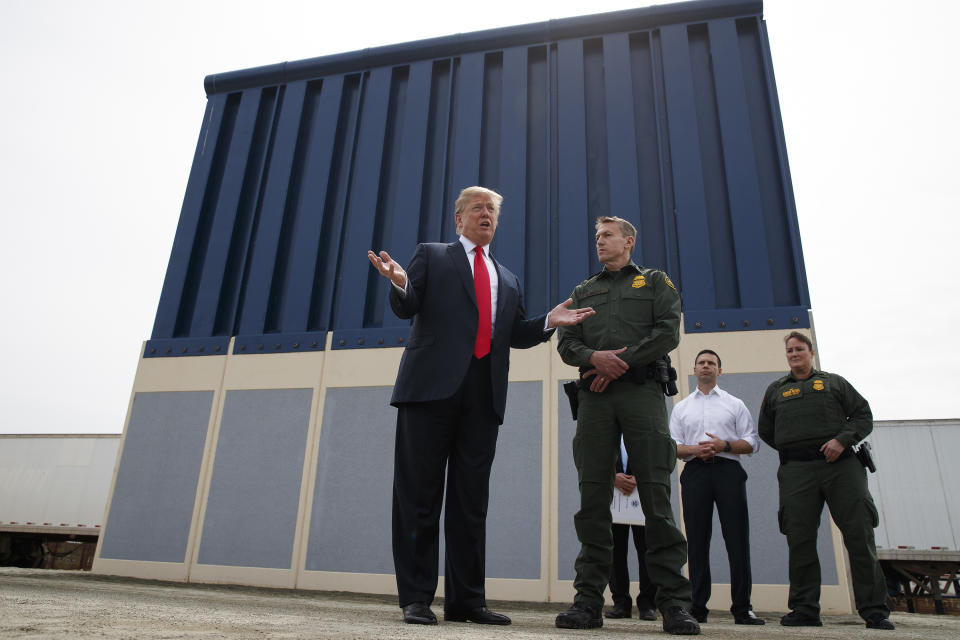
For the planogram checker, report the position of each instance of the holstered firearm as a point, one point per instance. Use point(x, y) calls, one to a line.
point(864, 455)
point(665, 375)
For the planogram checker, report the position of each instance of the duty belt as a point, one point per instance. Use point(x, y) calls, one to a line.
point(808, 454)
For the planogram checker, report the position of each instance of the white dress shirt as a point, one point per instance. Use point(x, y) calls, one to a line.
point(718, 412)
point(469, 246)
point(494, 276)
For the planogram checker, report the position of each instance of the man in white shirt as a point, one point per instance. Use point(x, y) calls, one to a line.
point(713, 429)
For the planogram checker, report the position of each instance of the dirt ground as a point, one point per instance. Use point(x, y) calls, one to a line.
point(37, 603)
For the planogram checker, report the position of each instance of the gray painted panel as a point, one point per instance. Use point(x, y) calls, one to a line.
point(156, 485)
point(251, 513)
point(569, 493)
point(513, 517)
point(352, 499)
point(357, 437)
point(768, 547)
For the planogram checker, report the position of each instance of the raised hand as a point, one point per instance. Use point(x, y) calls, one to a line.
point(562, 316)
point(388, 268)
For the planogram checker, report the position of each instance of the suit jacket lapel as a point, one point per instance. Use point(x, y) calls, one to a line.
point(460, 263)
point(501, 294)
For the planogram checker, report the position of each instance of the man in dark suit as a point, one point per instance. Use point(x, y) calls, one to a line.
point(451, 393)
point(625, 482)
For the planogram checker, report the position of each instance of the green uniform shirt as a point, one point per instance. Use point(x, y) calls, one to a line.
point(637, 308)
point(804, 413)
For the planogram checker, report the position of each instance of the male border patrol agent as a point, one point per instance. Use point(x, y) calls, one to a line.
point(637, 323)
point(813, 419)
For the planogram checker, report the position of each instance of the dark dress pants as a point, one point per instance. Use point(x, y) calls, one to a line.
point(723, 483)
point(620, 574)
point(459, 435)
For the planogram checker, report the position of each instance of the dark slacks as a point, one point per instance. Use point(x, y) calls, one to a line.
point(620, 573)
point(638, 413)
point(804, 487)
point(723, 483)
point(459, 435)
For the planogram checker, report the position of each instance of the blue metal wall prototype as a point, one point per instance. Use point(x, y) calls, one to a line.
point(667, 116)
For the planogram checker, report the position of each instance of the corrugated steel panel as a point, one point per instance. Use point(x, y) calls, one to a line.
point(666, 116)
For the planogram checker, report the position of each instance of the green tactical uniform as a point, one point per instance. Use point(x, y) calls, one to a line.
point(797, 417)
point(639, 309)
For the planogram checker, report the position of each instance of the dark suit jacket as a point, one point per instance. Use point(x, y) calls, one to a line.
point(443, 304)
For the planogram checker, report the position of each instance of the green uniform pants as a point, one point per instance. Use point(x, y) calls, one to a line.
point(804, 486)
point(639, 413)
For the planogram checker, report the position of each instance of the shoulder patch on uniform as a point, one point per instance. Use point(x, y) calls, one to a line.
point(639, 281)
point(669, 282)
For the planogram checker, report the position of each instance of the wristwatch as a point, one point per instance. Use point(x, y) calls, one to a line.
point(728, 447)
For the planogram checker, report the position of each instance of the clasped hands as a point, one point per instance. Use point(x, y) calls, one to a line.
point(624, 483)
point(706, 449)
point(607, 367)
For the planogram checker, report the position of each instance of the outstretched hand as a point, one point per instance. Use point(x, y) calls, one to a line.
point(388, 268)
point(562, 316)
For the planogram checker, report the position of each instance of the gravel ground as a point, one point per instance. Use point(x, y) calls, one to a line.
point(36, 603)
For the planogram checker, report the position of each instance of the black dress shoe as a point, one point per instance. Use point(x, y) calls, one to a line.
point(618, 611)
point(480, 615)
point(679, 622)
point(880, 621)
point(700, 616)
point(748, 618)
point(418, 613)
point(580, 616)
point(646, 613)
point(797, 619)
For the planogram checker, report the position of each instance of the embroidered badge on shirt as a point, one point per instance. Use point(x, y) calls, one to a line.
point(818, 385)
point(669, 282)
point(789, 393)
point(638, 282)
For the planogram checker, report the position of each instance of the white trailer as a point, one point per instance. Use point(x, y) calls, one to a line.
point(53, 493)
point(918, 539)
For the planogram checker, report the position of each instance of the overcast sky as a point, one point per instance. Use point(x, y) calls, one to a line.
point(102, 101)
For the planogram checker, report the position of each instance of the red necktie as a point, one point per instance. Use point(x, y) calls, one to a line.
point(481, 284)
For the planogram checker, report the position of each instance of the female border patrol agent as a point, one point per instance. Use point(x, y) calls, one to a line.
point(813, 419)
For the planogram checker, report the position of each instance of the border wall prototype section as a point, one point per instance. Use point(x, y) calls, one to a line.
point(258, 444)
